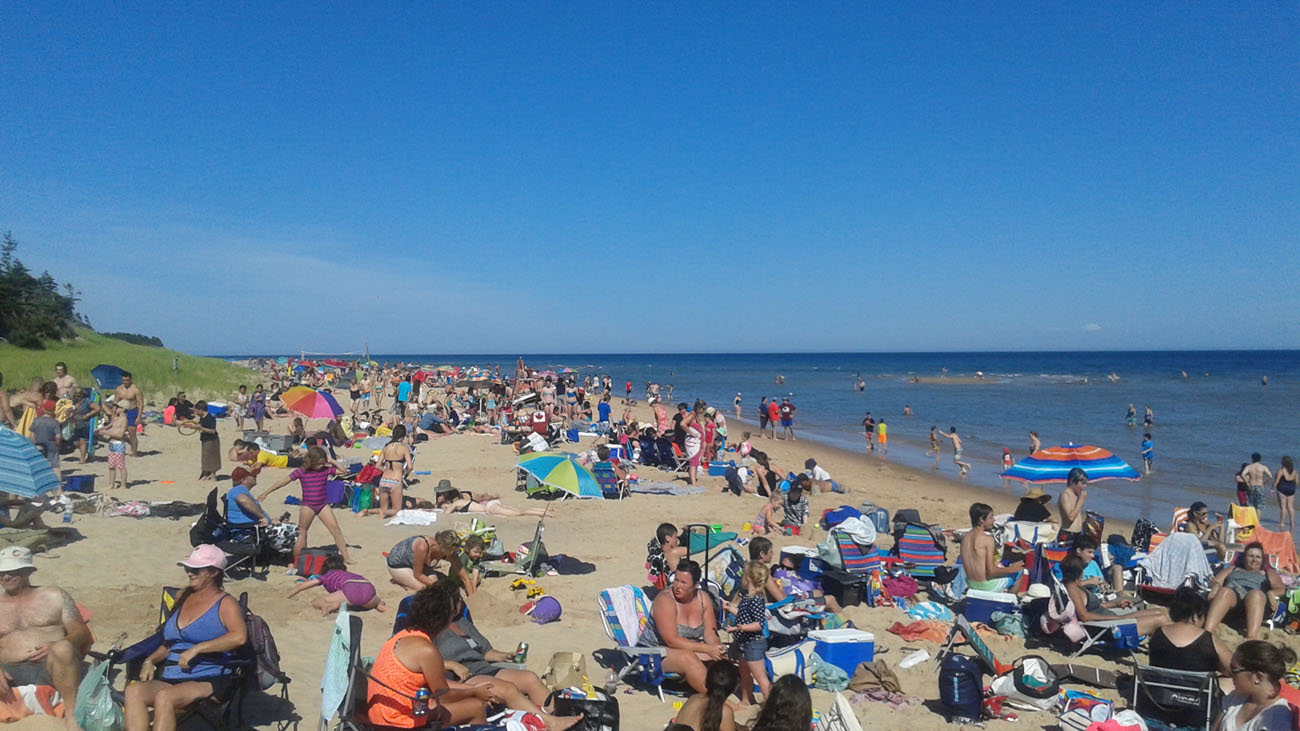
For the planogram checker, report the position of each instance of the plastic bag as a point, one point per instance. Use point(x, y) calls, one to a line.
point(1011, 624)
point(827, 676)
point(95, 707)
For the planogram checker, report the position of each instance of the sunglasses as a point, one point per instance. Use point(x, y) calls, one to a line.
point(1234, 671)
point(193, 571)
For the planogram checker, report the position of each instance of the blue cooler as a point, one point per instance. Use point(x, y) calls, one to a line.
point(216, 408)
point(79, 483)
point(719, 469)
point(844, 648)
point(980, 605)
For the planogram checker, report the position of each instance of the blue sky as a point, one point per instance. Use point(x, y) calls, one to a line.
point(613, 177)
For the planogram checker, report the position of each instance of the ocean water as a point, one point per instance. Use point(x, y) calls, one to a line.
point(1206, 424)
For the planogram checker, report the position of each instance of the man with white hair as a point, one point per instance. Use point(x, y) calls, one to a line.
point(42, 635)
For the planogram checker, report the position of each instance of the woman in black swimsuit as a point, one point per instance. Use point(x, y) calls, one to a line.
point(1285, 482)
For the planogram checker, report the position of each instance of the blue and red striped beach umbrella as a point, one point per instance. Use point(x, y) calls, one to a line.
point(1054, 464)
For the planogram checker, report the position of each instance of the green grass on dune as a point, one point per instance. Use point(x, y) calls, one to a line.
point(206, 378)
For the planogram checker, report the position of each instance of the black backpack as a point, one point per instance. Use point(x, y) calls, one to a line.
point(961, 688)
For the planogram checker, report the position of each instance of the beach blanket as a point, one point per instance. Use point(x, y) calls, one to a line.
point(666, 488)
point(334, 681)
point(1177, 557)
point(414, 517)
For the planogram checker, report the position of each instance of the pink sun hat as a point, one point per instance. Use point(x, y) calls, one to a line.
point(205, 556)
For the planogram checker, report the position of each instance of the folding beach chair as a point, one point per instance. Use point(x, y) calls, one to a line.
point(245, 545)
point(861, 565)
point(962, 627)
point(345, 679)
point(610, 485)
point(530, 564)
point(625, 614)
point(1060, 623)
point(918, 548)
point(240, 664)
point(1243, 523)
point(1178, 698)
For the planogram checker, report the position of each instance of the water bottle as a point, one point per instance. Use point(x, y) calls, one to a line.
point(67, 515)
point(420, 708)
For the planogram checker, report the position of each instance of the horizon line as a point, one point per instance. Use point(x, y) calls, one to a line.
point(517, 354)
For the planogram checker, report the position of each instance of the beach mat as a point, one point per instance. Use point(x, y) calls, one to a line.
point(665, 488)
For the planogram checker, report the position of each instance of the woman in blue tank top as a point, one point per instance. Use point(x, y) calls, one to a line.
point(199, 639)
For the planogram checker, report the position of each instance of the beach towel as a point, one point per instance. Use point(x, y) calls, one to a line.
point(1177, 557)
point(334, 680)
point(414, 517)
point(1279, 544)
point(665, 488)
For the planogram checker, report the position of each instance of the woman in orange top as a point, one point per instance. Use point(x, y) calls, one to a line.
point(410, 661)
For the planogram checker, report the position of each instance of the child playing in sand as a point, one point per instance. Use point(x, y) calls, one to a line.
point(749, 633)
point(115, 429)
point(766, 518)
point(471, 557)
point(343, 587)
point(744, 449)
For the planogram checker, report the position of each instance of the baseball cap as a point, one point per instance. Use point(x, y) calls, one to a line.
point(16, 558)
point(238, 475)
point(204, 556)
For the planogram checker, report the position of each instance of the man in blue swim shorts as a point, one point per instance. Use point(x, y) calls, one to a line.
point(129, 398)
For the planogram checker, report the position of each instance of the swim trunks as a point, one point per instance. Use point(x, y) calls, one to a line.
point(131, 416)
point(787, 422)
point(956, 455)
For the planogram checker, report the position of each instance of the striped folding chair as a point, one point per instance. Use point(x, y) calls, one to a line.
point(625, 614)
point(916, 546)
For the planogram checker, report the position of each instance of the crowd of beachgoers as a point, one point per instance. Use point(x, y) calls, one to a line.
point(356, 440)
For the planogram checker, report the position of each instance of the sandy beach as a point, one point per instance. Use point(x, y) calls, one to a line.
point(118, 570)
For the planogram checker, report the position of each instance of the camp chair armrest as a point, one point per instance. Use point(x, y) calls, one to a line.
point(510, 665)
point(1107, 623)
point(633, 650)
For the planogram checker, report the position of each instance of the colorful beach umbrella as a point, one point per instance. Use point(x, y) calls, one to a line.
point(107, 376)
point(1054, 464)
point(311, 403)
point(561, 472)
point(24, 471)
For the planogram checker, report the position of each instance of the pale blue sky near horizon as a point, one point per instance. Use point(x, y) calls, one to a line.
point(658, 177)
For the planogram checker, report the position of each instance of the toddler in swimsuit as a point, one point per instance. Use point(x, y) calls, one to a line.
point(344, 587)
point(766, 520)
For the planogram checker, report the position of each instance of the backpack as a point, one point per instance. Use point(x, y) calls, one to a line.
point(262, 648)
point(311, 561)
point(961, 688)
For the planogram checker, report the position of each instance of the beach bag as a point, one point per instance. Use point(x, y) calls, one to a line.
point(369, 475)
point(961, 688)
point(598, 714)
point(261, 642)
point(1032, 684)
point(95, 707)
point(1142, 532)
point(565, 669)
point(792, 660)
point(362, 498)
point(311, 562)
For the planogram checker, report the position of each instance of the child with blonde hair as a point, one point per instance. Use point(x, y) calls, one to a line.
point(766, 519)
point(749, 633)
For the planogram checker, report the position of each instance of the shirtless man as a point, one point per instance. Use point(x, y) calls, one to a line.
point(978, 554)
point(1071, 503)
point(42, 636)
point(956, 450)
point(1256, 475)
point(130, 399)
point(64, 383)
